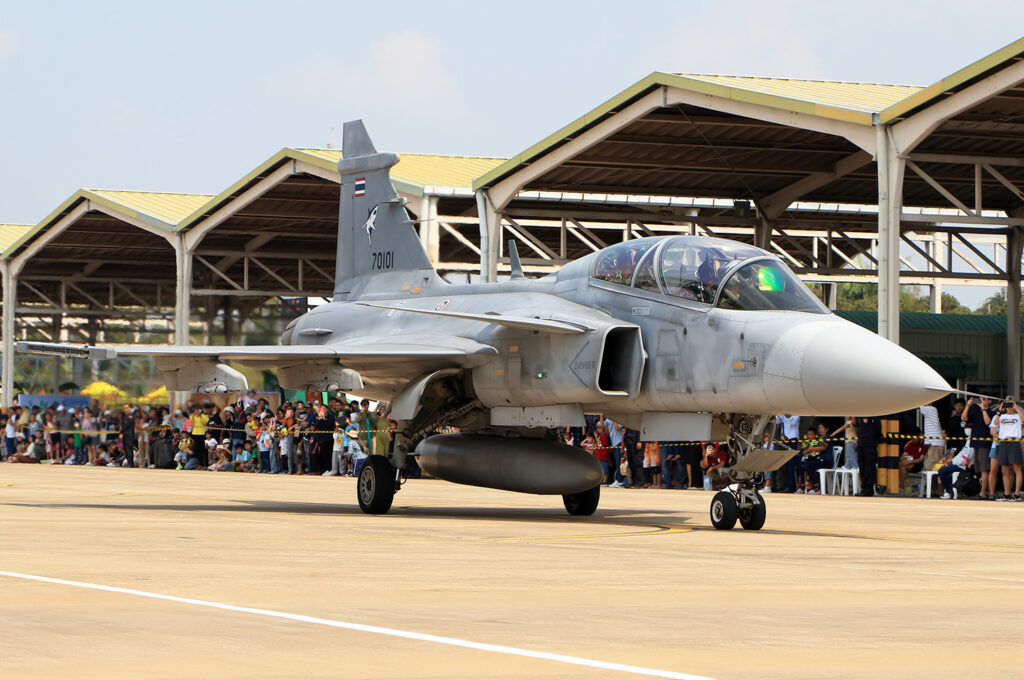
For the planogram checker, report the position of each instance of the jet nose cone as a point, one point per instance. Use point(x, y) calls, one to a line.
point(848, 370)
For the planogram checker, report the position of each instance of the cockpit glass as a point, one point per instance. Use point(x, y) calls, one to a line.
point(692, 267)
point(768, 285)
point(617, 263)
point(645, 276)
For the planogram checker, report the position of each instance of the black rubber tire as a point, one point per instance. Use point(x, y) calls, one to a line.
point(724, 511)
point(375, 488)
point(753, 518)
point(582, 504)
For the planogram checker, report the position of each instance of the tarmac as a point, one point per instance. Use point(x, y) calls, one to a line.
point(118, 573)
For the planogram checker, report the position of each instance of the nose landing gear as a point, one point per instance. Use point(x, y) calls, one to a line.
point(742, 499)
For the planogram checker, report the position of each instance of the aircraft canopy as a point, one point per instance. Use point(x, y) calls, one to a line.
point(696, 267)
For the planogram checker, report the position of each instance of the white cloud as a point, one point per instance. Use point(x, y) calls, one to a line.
point(404, 70)
point(745, 37)
point(8, 43)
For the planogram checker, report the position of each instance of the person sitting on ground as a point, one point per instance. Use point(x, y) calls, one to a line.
point(67, 456)
point(222, 462)
point(21, 453)
point(713, 461)
point(103, 455)
point(242, 459)
point(912, 460)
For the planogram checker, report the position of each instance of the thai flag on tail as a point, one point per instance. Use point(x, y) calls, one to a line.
point(360, 187)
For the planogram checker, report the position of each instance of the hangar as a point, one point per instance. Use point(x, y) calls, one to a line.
point(943, 162)
point(834, 177)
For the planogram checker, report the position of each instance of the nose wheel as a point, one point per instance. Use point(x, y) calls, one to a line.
point(740, 501)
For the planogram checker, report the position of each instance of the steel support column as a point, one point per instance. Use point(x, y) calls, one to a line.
point(763, 234)
point(890, 208)
point(430, 235)
point(182, 291)
point(10, 283)
point(1014, 242)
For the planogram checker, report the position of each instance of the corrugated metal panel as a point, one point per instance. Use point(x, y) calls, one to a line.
point(9, 233)
point(168, 208)
point(971, 323)
point(850, 102)
point(428, 169)
point(864, 97)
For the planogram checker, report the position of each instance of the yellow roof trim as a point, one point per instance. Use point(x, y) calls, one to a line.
point(263, 168)
point(926, 94)
point(10, 233)
point(137, 205)
point(750, 90)
point(412, 175)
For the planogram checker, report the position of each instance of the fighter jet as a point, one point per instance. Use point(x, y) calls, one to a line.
point(683, 338)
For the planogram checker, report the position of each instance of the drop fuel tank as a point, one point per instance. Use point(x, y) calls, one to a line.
point(523, 465)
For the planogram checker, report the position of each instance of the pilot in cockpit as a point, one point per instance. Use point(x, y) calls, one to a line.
point(709, 273)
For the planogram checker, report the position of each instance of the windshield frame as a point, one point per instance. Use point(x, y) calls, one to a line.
point(822, 309)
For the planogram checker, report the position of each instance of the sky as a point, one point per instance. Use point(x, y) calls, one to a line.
point(190, 96)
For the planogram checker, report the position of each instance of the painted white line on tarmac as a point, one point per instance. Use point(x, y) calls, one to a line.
point(378, 630)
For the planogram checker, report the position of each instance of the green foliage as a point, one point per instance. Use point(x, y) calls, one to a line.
point(864, 297)
point(996, 304)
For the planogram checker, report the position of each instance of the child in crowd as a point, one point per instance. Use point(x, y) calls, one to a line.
point(242, 459)
point(184, 449)
point(356, 455)
point(223, 459)
point(652, 465)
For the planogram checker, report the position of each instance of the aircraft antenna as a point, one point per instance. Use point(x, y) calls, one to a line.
point(513, 259)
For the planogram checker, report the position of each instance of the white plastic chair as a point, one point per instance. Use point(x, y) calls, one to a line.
point(824, 472)
point(847, 480)
point(924, 485)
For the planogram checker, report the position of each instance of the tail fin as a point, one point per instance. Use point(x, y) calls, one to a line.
point(375, 233)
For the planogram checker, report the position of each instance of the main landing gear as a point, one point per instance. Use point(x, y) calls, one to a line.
point(749, 462)
point(377, 484)
point(582, 504)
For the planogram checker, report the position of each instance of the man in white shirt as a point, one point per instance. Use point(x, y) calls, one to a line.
point(791, 436)
point(933, 437)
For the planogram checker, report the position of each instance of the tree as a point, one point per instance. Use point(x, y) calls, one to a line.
point(864, 297)
point(996, 304)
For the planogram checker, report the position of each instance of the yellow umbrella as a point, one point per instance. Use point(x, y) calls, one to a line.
point(103, 391)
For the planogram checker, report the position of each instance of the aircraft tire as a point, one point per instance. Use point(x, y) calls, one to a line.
point(724, 511)
point(375, 488)
point(582, 504)
point(753, 519)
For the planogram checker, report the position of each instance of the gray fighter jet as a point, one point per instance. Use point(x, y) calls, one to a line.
point(682, 338)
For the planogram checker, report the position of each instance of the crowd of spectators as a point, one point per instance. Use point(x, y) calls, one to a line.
point(978, 440)
point(330, 439)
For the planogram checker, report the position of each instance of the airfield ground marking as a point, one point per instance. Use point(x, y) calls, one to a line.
point(363, 628)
